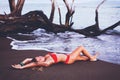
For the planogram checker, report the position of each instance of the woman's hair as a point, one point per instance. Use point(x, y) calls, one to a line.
point(33, 60)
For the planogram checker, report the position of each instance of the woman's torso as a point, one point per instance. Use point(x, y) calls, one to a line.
point(60, 58)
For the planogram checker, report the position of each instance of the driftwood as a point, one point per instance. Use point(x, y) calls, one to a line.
point(29, 22)
point(94, 30)
point(17, 23)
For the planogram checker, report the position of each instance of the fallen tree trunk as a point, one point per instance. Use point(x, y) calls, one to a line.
point(29, 22)
point(37, 19)
point(17, 23)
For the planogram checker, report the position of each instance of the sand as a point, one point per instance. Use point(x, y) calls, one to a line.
point(80, 70)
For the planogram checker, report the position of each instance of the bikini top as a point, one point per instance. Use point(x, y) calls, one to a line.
point(53, 55)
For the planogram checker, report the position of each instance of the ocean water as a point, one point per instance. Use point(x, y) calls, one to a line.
point(108, 45)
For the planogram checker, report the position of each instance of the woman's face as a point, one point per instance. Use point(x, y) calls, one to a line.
point(40, 58)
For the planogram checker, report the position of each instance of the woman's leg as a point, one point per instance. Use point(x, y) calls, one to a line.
point(86, 54)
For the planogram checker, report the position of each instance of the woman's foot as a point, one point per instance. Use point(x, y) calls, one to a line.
point(94, 58)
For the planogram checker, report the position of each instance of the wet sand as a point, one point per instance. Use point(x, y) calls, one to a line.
point(81, 70)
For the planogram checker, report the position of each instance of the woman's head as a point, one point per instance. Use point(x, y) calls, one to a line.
point(38, 59)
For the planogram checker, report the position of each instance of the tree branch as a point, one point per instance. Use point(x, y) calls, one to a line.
point(17, 11)
point(96, 17)
point(20, 6)
point(112, 26)
point(52, 11)
point(60, 16)
point(69, 13)
point(12, 5)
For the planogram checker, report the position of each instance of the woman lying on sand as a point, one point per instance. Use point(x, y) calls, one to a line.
point(52, 58)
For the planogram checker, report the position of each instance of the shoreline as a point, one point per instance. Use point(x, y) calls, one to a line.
point(98, 70)
point(101, 45)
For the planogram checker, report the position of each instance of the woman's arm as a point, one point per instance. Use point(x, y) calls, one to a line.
point(18, 66)
point(45, 64)
point(27, 60)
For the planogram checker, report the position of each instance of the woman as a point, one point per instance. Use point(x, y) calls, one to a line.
point(52, 58)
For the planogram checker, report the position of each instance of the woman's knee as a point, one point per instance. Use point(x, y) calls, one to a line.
point(81, 47)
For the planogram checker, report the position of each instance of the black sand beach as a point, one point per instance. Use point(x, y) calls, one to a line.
point(81, 70)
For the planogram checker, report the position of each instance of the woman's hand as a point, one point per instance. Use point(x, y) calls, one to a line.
point(17, 66)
